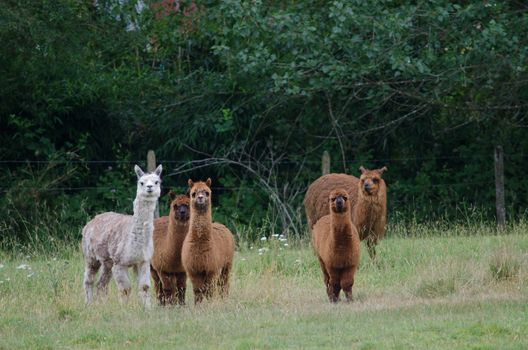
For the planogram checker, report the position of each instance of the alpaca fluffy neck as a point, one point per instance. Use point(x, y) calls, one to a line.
point(341, 233)
point(201, 224)
point(142, 222)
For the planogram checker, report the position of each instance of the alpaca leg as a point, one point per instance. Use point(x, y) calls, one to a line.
point(90, 271)
point(209, 285)
point(144, 282)
point(326, 278)
point(198, 287)
point(120, 273)
point(104, 279)
point(168, 290)
point(347, 281)
point(335, 286)
point(157, 285)
point(181, 286)
point(223, 281)
point(371, 246)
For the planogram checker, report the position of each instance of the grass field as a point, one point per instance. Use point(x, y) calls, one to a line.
point(436, 292)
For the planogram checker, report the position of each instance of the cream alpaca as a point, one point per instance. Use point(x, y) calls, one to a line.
point(117, 242)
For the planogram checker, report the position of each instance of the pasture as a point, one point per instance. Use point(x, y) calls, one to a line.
point(466, 287)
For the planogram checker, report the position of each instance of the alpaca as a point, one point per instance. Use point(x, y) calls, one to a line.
point(117, 242)
point(367, 197)
point(336, 243)
point(208, 249)
point(370, 212)
point(166, 266)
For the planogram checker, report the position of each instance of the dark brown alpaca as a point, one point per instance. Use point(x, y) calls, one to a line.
point(166, 265)
point(368, 204)
point(208, 249)
point(336, 243)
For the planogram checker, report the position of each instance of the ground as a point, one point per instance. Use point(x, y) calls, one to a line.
point(447, 292)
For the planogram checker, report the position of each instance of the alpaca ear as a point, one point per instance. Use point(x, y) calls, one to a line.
point(363, 170)
point(158, 170)
point(382, 170)
point(190, 183)
point(188, 192)
point(138, 171)
point(208, 182)
point(172, 195)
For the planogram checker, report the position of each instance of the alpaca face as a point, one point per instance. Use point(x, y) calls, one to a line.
point(148, 185)
point(370, 181)
point(179, 207)
point(339, 201)
point(200, 194)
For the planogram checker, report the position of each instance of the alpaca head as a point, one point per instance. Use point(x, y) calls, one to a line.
point(179, 206)
point(338, 200)
point(148, 185)
point(200, 194)
point(370, 181)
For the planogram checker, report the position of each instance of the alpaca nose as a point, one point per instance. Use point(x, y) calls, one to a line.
point(149, 188)
point(339, 202)
point(366, 185)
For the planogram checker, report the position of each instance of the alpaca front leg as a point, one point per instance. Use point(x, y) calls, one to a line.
point(347, 282)
point(144, 283)
point(90, 271)
point(334, 286)
point(181, 286)
point(120, 273)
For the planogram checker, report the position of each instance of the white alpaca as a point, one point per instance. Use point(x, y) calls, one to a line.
point(117, 242)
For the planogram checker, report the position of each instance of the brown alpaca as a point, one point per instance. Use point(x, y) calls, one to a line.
point(166, 266)
point(208, 249)
point(336, 243)
point(370, 212)
point(369, 205)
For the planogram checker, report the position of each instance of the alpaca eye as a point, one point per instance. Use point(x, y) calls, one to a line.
point(157, 182)
point(142, 183)
point(376, 181)
point(207, 194)
point(194, 194)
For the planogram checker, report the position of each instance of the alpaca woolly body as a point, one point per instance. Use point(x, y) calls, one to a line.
point(166, 265)
point(368, 210)
point(337, 246)
point(117, 242)
point(208, 249)
point(316, 198)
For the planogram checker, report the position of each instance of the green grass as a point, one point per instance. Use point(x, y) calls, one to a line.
point(438, 292)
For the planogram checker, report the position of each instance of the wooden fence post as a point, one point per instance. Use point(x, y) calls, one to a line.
point(325, 163)
point(151, 166)
point(499, 188)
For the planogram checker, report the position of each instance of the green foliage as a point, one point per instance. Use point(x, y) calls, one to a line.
point(256, 91)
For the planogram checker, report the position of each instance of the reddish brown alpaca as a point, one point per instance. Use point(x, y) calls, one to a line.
point(166, 266)
point(208, 249)
point(368, 204)
point(336, 243)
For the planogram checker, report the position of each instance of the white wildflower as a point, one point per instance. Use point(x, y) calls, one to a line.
point(1, 266)
point(31, 274)
point(263, 238)
point(23, 267)
point(262, 250)
point(286, 245)
point(275, 235)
